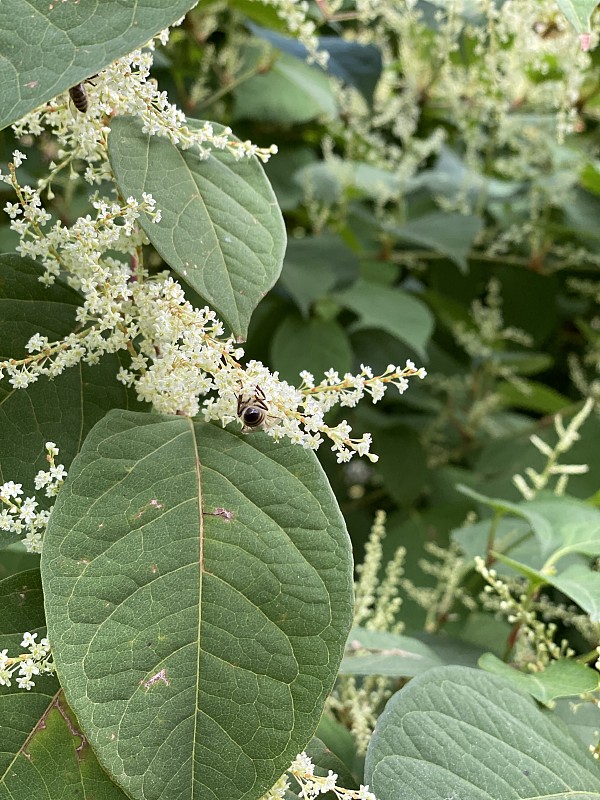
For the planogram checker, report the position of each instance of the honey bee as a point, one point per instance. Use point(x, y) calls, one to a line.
point(79, 95)
point(253, 411)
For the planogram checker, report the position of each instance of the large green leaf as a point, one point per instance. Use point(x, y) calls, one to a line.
point(198, 590)
point(390, 310)
point(46, 47)
point(221, 227)
point(456, 732)
point(43, 753)
point(62, 410)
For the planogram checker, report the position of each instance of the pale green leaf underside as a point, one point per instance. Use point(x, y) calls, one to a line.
point(198, 592)
point(456, 732)
point(221, 228)
point(578, 12)
point(46, 47)
point(383, 653)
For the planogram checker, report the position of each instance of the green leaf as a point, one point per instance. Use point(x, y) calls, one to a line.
point(315, 266)
point(450, 234)
point(43, 752)
point(387, 654)
point(582, 585)
point(353, 63)
point(62, 410)
point(315, 345)
point(198, 589)
point(402, 462)
point(532, 396)
point(581, 718)
point(47, 47)
point(290, 92)
point(221, 227)
point(390, 310)
point(459, 732)
point(562, 678)
point(578, 12)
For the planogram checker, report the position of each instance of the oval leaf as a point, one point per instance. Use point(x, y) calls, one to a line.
point(47, 47)
point(221, 227)
point(198, 590)
point(457, 732)
point(390, 310)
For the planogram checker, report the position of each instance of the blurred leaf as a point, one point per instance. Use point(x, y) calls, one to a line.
point(290, 92)
point(581, 584)
point(355, 64)
point(279, 168)
point(402, 463)
point(315, 266)
point(538, 397)
point(221, 227)
point(449, 234)
point(562, 678)
point(446, 733)
point(581, 718)
point(388, 654)
point(45, 48)
point(391, 310)
point(578, 12)
point(198, 590)
point(338, 739)
point(324, 760)
point(314, 345)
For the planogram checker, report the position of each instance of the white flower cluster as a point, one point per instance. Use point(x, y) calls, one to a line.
point(311, 785)
point(37, 661)
point(122, 88)
point(22, 516)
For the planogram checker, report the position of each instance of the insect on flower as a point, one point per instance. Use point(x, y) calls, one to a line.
point(79, 95)
point(253, 411)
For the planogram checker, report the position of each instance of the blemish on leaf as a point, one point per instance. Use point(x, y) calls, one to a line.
point(222, 512)
point(159, 677)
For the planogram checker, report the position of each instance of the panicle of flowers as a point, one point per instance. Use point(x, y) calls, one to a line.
point(124, 87)
point(448, 568)
point(376, 608)
point(534, 646)
point(566, 439)
point(37, 660)
point(23, 515)
point(482, 341)
point(376, 601)
point(309, 785)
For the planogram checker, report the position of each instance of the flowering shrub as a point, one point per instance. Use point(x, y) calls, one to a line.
point(187, 315)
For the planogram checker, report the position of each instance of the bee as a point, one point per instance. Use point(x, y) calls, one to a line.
point(253, 411)
point(79, 95)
